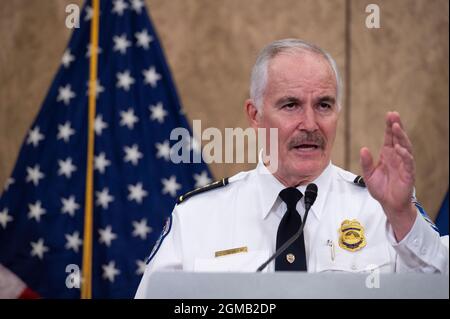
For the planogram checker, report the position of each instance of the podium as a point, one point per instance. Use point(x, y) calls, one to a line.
point(296, 285)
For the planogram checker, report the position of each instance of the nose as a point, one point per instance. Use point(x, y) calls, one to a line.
point(308, 119)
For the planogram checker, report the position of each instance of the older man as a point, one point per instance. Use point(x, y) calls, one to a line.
point(356, 224)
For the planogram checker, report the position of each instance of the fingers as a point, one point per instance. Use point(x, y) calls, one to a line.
point(394, 133)
point(407, 158)
point(394, 117)
point(400, 137)
point(407, 161)
point(366, 160)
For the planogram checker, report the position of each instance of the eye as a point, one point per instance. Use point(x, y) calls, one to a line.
point(291, 105)
point(325, 106)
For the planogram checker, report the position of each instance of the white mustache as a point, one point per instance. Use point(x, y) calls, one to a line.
point(307, 138)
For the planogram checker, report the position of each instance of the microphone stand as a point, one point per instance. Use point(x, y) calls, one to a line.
point(286, 244)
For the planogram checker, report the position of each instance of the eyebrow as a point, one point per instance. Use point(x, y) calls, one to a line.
point(292, 99)
point(327, 98)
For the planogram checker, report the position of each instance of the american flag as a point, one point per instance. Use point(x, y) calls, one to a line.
point(135, 182)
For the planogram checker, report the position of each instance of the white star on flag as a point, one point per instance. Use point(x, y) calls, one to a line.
point(38, 248)
point(5, 218)
point(121, 43)
point(141, 265)
point(67, 58)
point(66, 167)
point(110, 271)
point(132, 154)
point(163, 150)
point(35, 136)
point(119, 7)
point(128, 118)
point(34, 175)
point(101, 162)
point(89, 13)
point(201, 179)
point(8, 183)
point(124, 80)
point(106, 236)
point(65, 131)
point(137, 5)
point(157, 112)
point(99, 125)
point(69, 205)
point(151, 76)
point(89, 50)
point(73, 241)
point(36, 211)
point(170, 186)
point(143, 39)
point(141, 229)
point(98, 88)
point(103, 198)
point(137, 193)
point(65, 94)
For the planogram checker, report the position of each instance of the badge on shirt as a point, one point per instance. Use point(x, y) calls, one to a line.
point(231, 251)
point(351, 236)
point(165, 231)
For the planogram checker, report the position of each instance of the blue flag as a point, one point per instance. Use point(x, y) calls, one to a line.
point(135, 181)
point(442, 217)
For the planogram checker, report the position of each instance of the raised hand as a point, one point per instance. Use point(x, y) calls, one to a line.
point(391, 180)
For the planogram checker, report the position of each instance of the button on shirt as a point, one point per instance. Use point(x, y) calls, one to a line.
point(246, 214)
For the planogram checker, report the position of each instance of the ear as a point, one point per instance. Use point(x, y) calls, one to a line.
point(253, 114)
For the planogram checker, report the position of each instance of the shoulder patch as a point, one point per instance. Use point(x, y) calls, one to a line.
point(424, 214)
point(165, 231)
point(214, 185)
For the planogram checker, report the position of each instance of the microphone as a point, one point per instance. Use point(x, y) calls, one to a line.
point(310, 198)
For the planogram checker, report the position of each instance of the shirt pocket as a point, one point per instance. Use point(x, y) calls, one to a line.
point(367, 259)
point(240, 262)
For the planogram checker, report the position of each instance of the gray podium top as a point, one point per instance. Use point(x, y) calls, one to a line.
point(296, 285)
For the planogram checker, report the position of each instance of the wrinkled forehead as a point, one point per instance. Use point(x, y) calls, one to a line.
point(301, 69)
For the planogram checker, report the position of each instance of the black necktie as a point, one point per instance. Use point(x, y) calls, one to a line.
point(294, 257)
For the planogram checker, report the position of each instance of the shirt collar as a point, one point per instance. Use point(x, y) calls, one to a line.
point(269, 187)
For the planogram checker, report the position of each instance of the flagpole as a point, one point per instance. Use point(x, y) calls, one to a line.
point(86, 283)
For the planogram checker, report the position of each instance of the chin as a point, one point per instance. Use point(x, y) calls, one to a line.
point(307, 170)
point(308, 167)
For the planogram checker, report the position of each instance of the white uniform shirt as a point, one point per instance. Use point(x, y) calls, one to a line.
point(247, 212)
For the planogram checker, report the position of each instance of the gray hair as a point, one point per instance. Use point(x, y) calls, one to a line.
point(259, 72)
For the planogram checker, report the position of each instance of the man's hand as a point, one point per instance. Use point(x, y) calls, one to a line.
point(391, 180)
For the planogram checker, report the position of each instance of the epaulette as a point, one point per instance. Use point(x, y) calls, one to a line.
point(214, 185)
point(350, 177)
point(359, 181)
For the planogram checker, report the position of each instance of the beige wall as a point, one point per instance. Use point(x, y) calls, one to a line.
point(211, 46)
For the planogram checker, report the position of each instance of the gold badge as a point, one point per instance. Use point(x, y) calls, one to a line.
point(290, 258)
point(351, 235)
